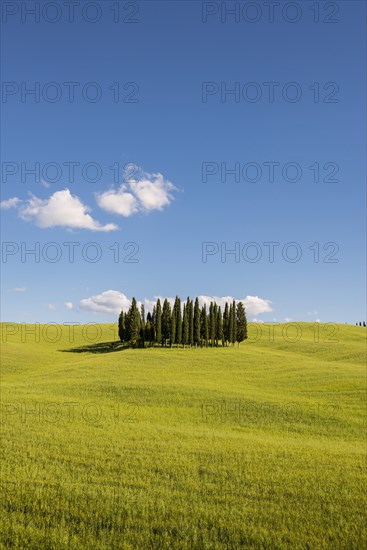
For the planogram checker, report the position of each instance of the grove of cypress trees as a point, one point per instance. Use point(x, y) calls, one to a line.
point(193, 326)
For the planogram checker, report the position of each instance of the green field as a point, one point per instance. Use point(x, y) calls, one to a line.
point(262, 446)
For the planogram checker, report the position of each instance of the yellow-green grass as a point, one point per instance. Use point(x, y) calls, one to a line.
point(261, 446)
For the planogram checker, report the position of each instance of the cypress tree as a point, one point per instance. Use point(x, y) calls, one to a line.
point(148, 330)
point(211, 324)
point(133, 323)
point(190, 320)
point(226, 324)
point(230, 324)
point(219, 327)
point(142, 324)
point(215, 313)
point(241, 322)
point(204, 326)
point(185, 327)
point(173, 327)
point(234, 334)
point(158, 323)
point(121, 326)
point(166, 321)
point(196, 322)
point(178, 322)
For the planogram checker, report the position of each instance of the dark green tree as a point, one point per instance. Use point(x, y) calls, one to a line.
point(148, 331)
point(190, 319)
point(185, 327)
point(122, 326)
point(230, 324)
point(158, 323)
point(234, 323)
point(142, 324)
point(219, 327)
point(178, 338)
point(241, 322)
point(173, 328)
point(204, 326)
point(212, 324)
point(166, 321)
point(196, 323)
point(133, 324)
point(226, 324)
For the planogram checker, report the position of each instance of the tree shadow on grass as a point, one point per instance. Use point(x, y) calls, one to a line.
point(103, 347)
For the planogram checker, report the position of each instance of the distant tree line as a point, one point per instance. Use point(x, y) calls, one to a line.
point(185, 326)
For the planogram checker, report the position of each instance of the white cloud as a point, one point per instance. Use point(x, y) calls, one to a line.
point(150, 192)
point(253, 304)
point(112, 301)
point(19, 289)
point(61, 209)
point(68, 305)
point(51, 306)
point(109, 301)
point(153, 191)
point(10, 203)
point(118, 202)
point(317, 321)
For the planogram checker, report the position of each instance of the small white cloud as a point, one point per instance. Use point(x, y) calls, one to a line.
point(109, 301)
point(317, 321)
point(118, 202)
point(45, 184)
point(51, 306)
point(68, 305)
point(153, 191)
point(10, 203)
point(150, 192)
point(19, 289)
point(287, 319)
point(62, 209)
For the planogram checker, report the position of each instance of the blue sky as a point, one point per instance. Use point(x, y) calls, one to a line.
point(176, 127)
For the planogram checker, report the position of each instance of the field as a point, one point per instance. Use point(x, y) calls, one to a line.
point(261, 446)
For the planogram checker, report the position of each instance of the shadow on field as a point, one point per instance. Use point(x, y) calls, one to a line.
point(104, 347)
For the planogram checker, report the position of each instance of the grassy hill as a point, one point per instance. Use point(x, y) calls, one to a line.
point(262, 446)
